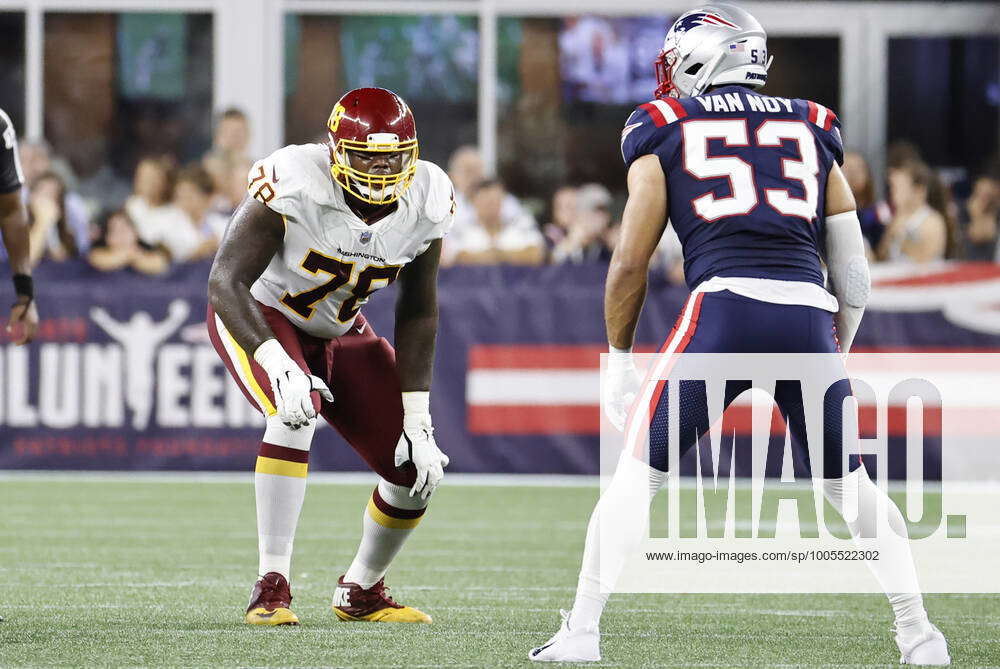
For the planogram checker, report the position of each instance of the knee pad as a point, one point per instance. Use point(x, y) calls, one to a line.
point(279, 434)
point(399, 496)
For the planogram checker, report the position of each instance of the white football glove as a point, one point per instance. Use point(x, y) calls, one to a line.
point(621, 386)
point(292, 388)
point(416, 444)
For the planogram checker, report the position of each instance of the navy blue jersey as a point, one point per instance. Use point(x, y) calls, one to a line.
point(10, 166)
point(746, 180)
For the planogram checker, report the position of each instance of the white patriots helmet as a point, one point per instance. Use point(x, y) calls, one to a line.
point(713, 45)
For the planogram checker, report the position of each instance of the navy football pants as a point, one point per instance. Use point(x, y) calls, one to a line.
point(724, 322)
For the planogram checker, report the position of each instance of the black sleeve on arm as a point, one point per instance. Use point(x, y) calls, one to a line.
point(416, 320)
point(10, 164)
point(252, 238)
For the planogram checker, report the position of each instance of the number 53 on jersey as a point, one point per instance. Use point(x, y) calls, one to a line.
point(746, 179)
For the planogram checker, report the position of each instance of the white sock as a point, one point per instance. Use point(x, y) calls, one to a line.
point(883, 530)
point(623, 528)
point(280, 484)
point(388, 521)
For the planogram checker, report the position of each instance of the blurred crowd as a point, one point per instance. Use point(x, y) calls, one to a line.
point(178, 213)
point(923, 218)
point(174, 213)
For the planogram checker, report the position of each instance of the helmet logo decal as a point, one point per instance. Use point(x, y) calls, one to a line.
point(690, 21)
point(334, 121)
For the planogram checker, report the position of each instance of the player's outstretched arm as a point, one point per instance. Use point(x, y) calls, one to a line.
point(845, 257)
point(14, 228)
point(253, 237)
point(643, 223)
point(416, 329)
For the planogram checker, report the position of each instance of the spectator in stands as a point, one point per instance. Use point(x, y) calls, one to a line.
point(917, 232)
point(37, 160)
point(466, 170)
point(940, 200)
point(900, 152)
point(52, 234)
point(157, 220)
point(118, 247)
point(585, 237)
point(562, 213)
point(230, 146)
point(228, 198)
point(903, 153)
point(193, 196)
point(981, 215)
point(152, 185)
point(494, 237)
point(874, 215)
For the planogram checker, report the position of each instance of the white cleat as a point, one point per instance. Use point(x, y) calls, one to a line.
point(569, 645)
point(924, 646)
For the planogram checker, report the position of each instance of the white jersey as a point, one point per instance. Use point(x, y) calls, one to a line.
point(331, 260)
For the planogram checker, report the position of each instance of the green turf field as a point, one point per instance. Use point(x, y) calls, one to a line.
point(152, 573)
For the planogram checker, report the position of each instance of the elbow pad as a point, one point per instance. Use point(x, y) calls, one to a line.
point(846, 260)
point(857, 282)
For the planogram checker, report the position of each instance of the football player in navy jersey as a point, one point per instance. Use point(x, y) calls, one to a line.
point(753, 187)
point(23, 321)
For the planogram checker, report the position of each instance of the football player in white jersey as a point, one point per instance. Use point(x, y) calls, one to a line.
point(324, 227)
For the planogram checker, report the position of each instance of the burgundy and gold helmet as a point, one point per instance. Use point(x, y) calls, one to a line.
point(372, 120)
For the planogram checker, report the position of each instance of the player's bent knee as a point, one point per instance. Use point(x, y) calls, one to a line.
point(279, 434)
point(399, 496)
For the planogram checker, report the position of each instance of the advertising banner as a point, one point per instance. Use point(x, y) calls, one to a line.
point(123, 376)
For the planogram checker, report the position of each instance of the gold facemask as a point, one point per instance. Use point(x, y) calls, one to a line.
point(374, 188)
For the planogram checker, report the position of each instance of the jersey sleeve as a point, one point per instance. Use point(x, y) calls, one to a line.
point(439, 207)
point(11, 176)
point(647, 130)
point(826, 127)
point(279, 180)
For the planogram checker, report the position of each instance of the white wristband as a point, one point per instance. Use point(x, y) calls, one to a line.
point(272, 357)
point(416, 401)
point(620, 359)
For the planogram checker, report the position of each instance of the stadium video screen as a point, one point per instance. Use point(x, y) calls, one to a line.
point(442, 53)
point(607, 60)
point(152, 55)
